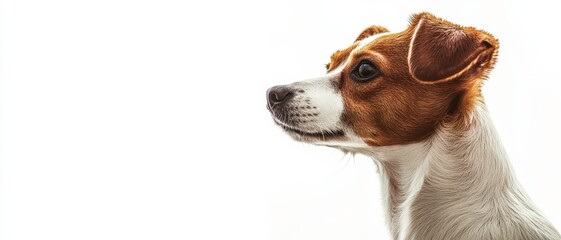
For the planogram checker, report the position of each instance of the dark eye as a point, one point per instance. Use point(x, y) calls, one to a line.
point(365, 71)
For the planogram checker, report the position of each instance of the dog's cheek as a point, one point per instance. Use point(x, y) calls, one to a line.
point(358, 116)
point(380, 118)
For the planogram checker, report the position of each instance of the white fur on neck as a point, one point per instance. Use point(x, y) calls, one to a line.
point(414, 159)
point(473, 159)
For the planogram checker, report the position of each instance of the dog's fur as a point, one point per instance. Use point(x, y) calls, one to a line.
point(422, 118)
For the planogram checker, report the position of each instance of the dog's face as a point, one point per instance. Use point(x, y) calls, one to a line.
point(388, 88)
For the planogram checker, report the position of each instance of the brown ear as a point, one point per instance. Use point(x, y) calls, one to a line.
point(372, 30)
point(441, 51)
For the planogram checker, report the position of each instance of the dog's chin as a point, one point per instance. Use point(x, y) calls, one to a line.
point(312, 137)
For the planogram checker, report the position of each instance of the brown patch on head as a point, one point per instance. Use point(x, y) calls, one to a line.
point(430, 73)
point(372, 30)
point(340, 56)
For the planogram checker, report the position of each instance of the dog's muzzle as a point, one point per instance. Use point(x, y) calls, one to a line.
point(294, 108)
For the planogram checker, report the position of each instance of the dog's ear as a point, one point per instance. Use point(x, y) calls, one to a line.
point(372, 30)
point(440, 51)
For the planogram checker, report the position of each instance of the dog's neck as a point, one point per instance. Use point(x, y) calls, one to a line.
point(457, 184)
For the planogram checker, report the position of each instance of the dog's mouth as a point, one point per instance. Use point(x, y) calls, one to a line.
point(321, 135)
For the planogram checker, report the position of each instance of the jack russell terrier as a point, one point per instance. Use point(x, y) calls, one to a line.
point(412, 101)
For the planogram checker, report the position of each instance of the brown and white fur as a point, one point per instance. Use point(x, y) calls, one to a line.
point(412, 101)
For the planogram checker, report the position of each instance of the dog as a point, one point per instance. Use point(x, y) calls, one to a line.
point(412, 101)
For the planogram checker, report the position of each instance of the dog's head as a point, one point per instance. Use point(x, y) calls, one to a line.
point(389, 88)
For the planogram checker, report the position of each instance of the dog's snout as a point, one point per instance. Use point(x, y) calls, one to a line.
point(279, 94)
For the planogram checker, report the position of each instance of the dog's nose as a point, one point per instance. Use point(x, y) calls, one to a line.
point(279, 94)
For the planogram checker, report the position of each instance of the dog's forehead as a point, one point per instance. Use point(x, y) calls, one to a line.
point(370, 42)
point(342, 56)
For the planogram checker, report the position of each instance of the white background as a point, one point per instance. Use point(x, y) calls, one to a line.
point(146, 119)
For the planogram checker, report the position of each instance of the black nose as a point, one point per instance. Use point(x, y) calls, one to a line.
point(279, 94)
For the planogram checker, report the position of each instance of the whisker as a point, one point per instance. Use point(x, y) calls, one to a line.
point(346, 163)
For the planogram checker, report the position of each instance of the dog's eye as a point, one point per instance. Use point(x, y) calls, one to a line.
point(365, 71)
